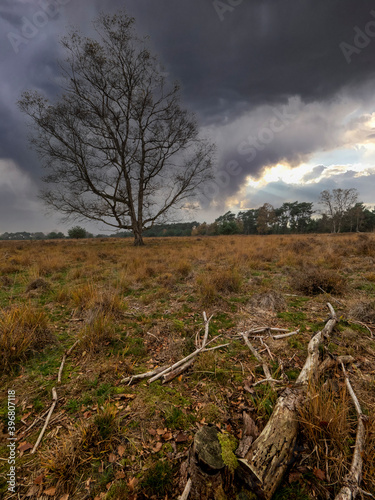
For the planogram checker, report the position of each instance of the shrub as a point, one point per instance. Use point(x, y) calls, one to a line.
point(77, 232)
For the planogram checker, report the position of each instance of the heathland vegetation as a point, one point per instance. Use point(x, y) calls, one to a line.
point(134, 309)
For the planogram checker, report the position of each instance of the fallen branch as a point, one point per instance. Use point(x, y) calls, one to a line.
point(54, 398)
point(68, 353)
point(265, 465)
point(175, 373)
point(351, 481)
point(141, 376)
point(184, 363)
point(329, 363)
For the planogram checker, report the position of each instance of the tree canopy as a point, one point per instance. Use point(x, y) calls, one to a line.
point(117, 145)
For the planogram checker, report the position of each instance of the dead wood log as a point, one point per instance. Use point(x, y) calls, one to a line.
point(250, 432)
point(352, 480)
point(265, 464)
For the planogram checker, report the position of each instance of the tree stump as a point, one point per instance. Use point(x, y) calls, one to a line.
point(205, 466)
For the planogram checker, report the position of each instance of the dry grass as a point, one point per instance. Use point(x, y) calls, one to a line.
point(329, 424)
point(23, 329)
point(314, 280)
point(138, 308)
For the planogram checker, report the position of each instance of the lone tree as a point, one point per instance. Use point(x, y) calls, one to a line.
point(117, 145)
point(337, 204)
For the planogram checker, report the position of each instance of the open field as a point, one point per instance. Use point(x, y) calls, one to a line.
point(134, 309)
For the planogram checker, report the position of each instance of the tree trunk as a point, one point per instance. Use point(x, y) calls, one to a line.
point(138, 239)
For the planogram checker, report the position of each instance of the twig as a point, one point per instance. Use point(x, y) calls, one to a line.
point(364, 325)
point(267, 348)
point(192, 355)
point(68, 353)
point(285, 335)
point(186, 491)
point(35, 421)
point(54, 398)
point(61, 369)
point(270, 380)
point(255, 353)
point(351, 481)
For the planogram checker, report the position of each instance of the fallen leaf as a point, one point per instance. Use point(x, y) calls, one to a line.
point(152, 432)
point(32, 491)
point(50, 492)
point(120, 474)
point(132, 483)
point(25, 446)
point(160, 432)
point(65, 497)
point(39, 479)
point(294, 476)
point(319, 474)
point(108, 486)
point(127, 396)
point(167, 436)
point(157, 447)
point(181, 438)
point(112, 458)
point(121, 450)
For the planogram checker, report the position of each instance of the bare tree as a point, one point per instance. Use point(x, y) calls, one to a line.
point(117, 145)
point(337, 203)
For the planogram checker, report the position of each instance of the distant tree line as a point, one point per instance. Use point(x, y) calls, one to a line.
point(341, 212)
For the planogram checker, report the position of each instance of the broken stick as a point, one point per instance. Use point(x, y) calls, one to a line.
point(54, 398)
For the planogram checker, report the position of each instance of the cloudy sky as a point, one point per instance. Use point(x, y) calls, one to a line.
point(286, 89)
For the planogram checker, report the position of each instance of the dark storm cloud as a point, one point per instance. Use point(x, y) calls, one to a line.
point(237, 66)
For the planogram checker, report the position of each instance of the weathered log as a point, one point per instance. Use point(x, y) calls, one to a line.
point(250, 432)
point(265, 464)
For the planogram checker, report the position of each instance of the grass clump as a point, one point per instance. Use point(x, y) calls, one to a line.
point(315, 280)
point(98, 332)
point(23, 329)
point(158, 480)
point(66, 462)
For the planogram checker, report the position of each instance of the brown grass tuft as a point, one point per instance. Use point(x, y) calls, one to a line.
point(363, 311)
point(315, 280)
point(269, 301)
point(99, 331)
point(22, 330)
